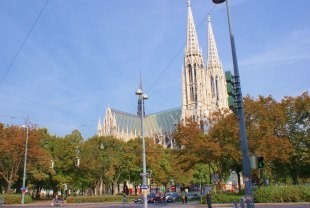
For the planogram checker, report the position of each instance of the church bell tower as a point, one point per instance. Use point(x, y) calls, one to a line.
point(203, 86)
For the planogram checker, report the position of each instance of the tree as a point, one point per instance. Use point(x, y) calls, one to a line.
point(266, 129)
point(196, 147)
point(297, 115)
point(64, 152)
point(38, 165)
point(12, 148)
point(224, 131)
point(104, 161)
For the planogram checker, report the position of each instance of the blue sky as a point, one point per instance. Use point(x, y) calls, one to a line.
point(83, 56)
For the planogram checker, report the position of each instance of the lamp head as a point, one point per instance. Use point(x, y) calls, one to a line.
point(139, 91)
point(218, 1)
point(145, 97)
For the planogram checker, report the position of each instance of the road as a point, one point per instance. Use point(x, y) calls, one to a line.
point(158, 205)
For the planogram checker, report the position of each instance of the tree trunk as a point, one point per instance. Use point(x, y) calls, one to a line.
point(239, 180)
point(8, 187)
point(101, 186)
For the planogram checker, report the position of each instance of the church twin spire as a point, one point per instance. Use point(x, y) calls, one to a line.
point(203, 87)
point(203, 91)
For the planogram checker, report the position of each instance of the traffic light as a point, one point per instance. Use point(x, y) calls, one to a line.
point(231, 91)
point(260, 162)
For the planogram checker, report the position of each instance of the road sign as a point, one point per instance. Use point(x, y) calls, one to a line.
point(144, 187)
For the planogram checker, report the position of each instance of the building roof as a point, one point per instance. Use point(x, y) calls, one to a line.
point(155, 123)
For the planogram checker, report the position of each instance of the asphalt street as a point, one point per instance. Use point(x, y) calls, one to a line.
point(159, 205)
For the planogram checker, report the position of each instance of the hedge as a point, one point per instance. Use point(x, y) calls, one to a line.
point(98, 199)
point(282, 194)
point(15, 198)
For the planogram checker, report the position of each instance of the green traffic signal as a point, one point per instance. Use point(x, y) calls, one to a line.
point(260, 162)
point(230, 82)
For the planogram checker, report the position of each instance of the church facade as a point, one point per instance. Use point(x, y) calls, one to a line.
point(203, 92)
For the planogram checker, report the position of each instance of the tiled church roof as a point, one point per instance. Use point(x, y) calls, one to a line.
point(156, 123)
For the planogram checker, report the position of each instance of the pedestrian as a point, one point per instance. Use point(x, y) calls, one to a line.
point(183, 198)
point(208, 199)
point(124, 197)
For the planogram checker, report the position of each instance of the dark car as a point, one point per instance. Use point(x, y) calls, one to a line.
point(139, 199)
point(172, 197)
point(153, 197)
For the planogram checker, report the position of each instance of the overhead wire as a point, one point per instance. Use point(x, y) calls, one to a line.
point(22, 44)
point(56, 109)
point(13, 61)
point(47, 106)
point(178, 52)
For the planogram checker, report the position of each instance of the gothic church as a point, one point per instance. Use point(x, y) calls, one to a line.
point(203, 92)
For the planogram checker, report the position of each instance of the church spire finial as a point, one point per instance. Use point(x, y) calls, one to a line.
point(188, 3)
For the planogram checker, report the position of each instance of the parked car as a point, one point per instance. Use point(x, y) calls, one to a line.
point(192, 196)
point(151, 198)
point(172, 197)
point(139, 199)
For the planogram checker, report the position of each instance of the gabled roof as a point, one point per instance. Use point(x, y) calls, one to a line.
point(155, 123)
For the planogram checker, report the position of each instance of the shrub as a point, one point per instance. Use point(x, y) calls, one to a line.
point(282, 194)
point(223, 198)
point(97, 199)
point(267, 194)
point(15, 198)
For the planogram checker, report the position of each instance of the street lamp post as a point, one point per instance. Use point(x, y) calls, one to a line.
point(244, 142)
point(143, 97)
point(25, 167)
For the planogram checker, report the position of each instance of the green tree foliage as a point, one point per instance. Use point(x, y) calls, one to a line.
point(277, 131)
point(297, 115)
point(64, 152)
point(104, 160)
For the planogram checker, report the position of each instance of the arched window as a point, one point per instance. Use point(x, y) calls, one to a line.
point(217, 87)
point(212, 87)
point(192, 93)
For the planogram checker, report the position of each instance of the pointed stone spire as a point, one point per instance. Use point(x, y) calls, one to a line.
point(213, 56)
point(192, 44)
point(193, 83)
point(216, 92)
